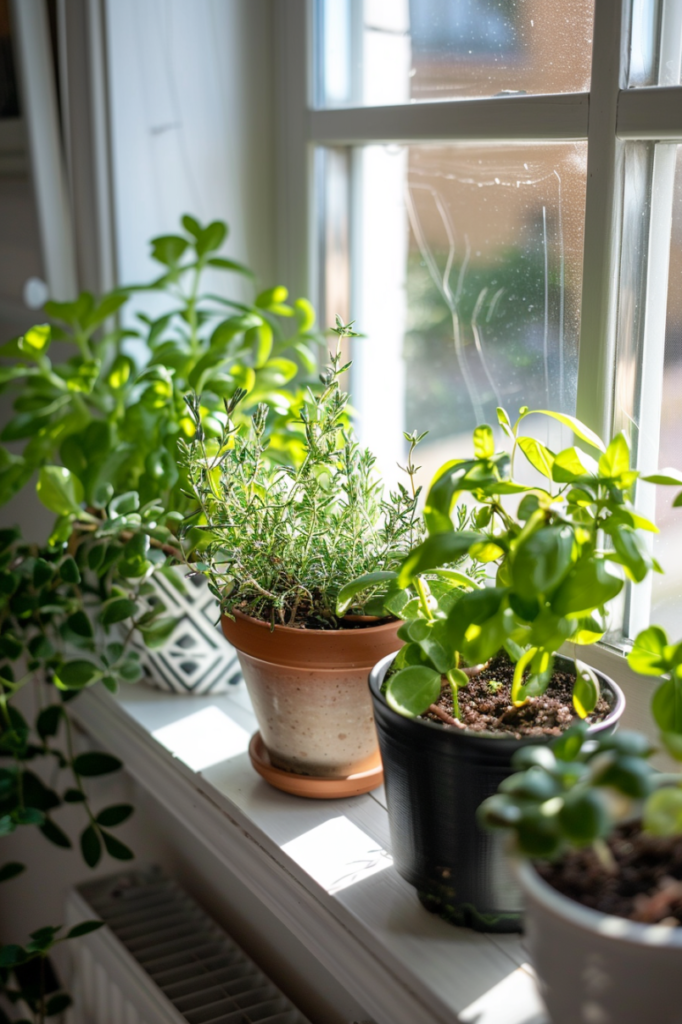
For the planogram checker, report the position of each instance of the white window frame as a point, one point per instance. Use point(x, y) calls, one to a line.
point(607, 117)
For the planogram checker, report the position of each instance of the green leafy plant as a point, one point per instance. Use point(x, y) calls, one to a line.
point(27, 976)
point(279, 542)
point(652, 655)
point(553, 576)
point(575, 791)
point(111, 411)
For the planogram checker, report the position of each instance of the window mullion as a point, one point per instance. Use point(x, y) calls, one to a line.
point(596, 366)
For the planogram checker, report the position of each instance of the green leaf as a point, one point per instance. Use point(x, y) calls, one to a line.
point(29, 816)
point(211, 237)
point(57, 1004)
point(568, 746)
point(542, 561)
point(159, 632)
point(117, 849)
point(91, 847)
point(47, 722)
point(667, 477)
point(11, 955)
point(80, 624)
point(93, 763)
point(578, 428)
point(116, 610)
point(411, 690)
point(484, 442)
point(222, 264)
point(504, 421)
point(74, 675)
point(666, 706)
point(73, 796)
point(59, 490)
point(114, 815)
point(647, 657)
point(585, 690)
point(11, 870)
point(584, 817)
point(571, 464)
point(663, 812)
point(370, 579)
point(122, 504)
point(616, 458)
point(168, 249)
point(84, 928)
point(629, 775)
point(434, 552)
point(55, 834)
point(589, 585)
point(540, 458)
point(68, 570)
point(36, 340)
point(632, 551)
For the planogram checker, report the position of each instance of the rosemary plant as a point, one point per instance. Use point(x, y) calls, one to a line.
point(279, 542)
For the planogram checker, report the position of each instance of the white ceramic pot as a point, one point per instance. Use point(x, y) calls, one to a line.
point(196, 658)
point(593, 968)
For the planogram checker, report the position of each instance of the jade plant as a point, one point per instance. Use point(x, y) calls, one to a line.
point(555, 563)
point(107, 402)
point(575, 791)
point(278, 542)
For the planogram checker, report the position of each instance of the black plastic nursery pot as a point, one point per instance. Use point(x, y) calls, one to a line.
point(436, 778)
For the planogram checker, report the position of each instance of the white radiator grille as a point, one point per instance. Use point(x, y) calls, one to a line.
point(157, 932)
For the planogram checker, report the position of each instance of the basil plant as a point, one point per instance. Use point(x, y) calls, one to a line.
point(555, 559)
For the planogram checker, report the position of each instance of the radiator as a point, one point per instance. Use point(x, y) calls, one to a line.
point(162, 960)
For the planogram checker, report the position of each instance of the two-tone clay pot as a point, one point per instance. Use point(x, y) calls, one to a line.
point(309, 692)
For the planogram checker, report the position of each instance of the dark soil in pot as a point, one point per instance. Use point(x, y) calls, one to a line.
point(437, 775)
point(645, 886)
point(485, 704)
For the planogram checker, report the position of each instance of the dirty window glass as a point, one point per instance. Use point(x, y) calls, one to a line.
point(467, 275)
point(376, 52)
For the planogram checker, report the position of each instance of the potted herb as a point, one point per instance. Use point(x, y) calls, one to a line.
point(479, 676)
point(109, 410)
point(277, 545)
point(600, 837)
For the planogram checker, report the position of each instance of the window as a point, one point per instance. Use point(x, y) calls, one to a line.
point(496, 199)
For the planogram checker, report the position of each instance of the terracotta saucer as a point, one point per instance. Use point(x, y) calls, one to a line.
point(310, 785)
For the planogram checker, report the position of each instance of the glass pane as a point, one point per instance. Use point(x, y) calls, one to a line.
point(377, 52)
point(655, 43)
point(666, 607)
point(467, 264)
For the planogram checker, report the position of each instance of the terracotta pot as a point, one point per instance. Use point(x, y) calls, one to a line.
point(309, 691)
point(598, 968)
point(436, 779)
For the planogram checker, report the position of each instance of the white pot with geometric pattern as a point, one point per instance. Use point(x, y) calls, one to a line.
point(196, 658)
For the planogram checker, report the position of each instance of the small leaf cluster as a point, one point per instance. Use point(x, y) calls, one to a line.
point(652, 655)
point(279, 542)
point(553, 576)
point(112, 411)
point(27, 976)
point(575, 791)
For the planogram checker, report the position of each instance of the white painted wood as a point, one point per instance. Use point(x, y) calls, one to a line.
point(596, 364)
point(359, 918)
point(654, 112)
point(500, 119)
point(39, 103)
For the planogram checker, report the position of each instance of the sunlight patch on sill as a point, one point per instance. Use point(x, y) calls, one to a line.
point(203, 738)
point(337, 854)
point(515, 1000)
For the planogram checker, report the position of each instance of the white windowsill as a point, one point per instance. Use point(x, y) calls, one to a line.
point(322, 867)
